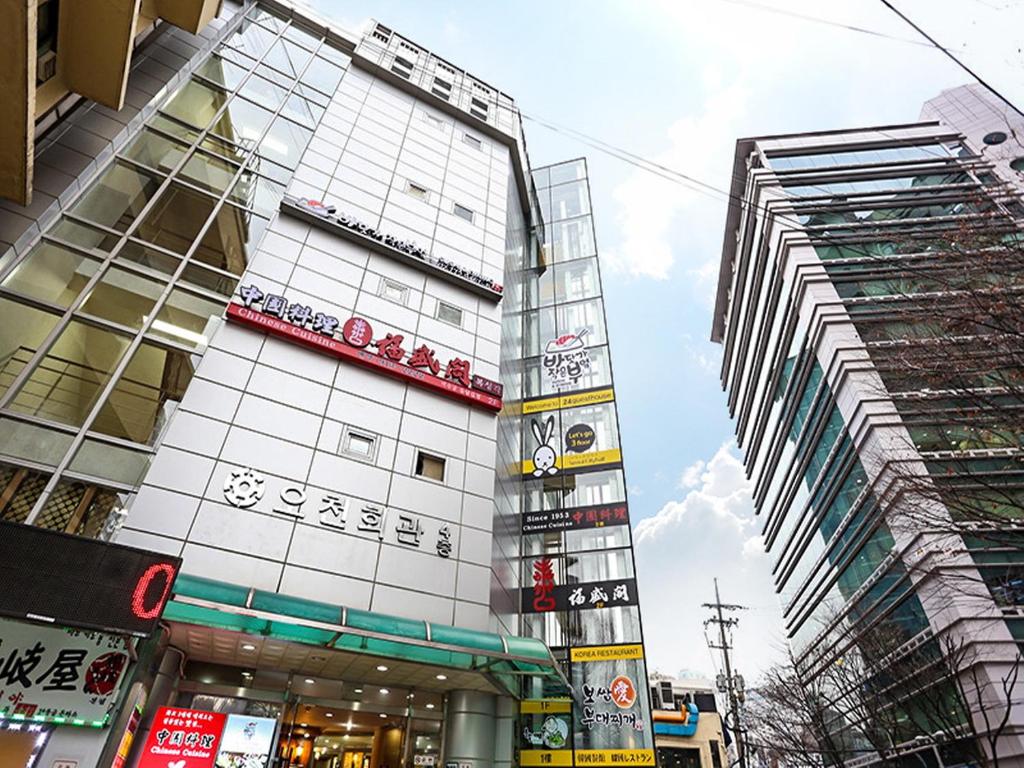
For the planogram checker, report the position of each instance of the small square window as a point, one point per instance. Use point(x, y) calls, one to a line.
point(441, 89)
point(418, 191)
point(430, 466)
point(463, 212)
point(449, 313)
point(473, 141)
point(359, 445)
point(392, 290)
point(402, 67)
point(434, 122)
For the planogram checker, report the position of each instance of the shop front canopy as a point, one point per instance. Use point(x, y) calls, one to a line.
point(484, 660)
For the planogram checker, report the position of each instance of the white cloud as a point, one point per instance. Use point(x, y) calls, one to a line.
point(711, 532)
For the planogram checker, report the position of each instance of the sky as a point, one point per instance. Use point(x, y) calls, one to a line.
point(678, 82)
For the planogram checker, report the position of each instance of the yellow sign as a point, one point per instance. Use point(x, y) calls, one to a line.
point(581, 460)
point(575, 400)
point(614, 757)
point(607, 652)
point(543, 706)
point(534, 758)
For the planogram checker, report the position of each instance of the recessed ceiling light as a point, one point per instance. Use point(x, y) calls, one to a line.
point(411, 696)
point(430, 706)
point(442, 677)
point(382, 668)
point(304, 725)
point(358, 690)
point(310, 680)
point(346, 735)
point(248, 647)
point(328, 714)
point(383, 715)
point(384, 691)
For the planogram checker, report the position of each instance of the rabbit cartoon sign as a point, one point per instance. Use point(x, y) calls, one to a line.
point(544, 456)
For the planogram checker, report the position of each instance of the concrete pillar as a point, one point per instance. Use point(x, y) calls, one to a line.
point(470, 728)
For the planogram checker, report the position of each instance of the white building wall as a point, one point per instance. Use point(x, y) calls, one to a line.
point(281, 410)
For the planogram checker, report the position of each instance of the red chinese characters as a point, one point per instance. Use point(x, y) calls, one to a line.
point(184, 738)
point(543, 585)
point(423, 357)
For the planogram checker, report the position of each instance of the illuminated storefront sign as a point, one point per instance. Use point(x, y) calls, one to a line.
point(573, 400)
point(246, 488)
point(183, 738)
point(545, 595)
point(588, 653)
point(299, 323)
point(78, 582)
point(575, 518)
point(246, 742)
point(63, 676)
point(324, 216)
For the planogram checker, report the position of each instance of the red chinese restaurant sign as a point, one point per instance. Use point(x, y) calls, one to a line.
point(183, 738)
point(300, 324)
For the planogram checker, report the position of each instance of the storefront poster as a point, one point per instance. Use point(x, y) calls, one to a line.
point(69, 676)
point(566, 359)
point(246, 742)
point(575, 518)
point(183, 738)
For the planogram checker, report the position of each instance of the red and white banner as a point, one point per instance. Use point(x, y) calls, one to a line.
point(183, 738)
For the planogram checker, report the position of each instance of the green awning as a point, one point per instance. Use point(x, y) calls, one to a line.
point(502, 659)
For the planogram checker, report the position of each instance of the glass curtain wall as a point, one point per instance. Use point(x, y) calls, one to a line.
point(107, 316)
point(577, 568)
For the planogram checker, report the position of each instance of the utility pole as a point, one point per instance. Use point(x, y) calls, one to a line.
point(731, 685)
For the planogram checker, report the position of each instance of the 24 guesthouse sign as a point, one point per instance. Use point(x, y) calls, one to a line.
point(299, 323)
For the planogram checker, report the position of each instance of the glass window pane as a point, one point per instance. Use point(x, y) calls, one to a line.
point(572, 239)
point(323, 75)
point(52, 273)
point(252, 39)
point(571, 171)
point(184, 318)
point(176, 218)
point(173, 127)
point(123, 297)
point(218, 282)
point(90, 238)
point(285, 142)
point(226, 244)
point(21, 333)
point(258, 193)
point(236, 57)
point(306, 112)
point(300, 36)
point(287, 57)
point(110, 462)
point(568, 200)
point(222, 72)
point(68, 380)
point(151, 258)
point(264, 92)
point(156, 151)
point(576, 280)
point(266, 18)
point(21, 488)
point(209, 172)
point(79, 508)
point(30, 442)
point(196, 103)
point(117, 197)
point(223, 148)
point(242, 122)
point(144, 398)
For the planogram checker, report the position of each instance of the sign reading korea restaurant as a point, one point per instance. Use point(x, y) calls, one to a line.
point(575, 519)
point(325, 216)
point(546, 596)
point(301, 324)
point(71, 676)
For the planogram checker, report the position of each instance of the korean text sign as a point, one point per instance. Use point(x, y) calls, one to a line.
point(49, 672)
point(183, 738)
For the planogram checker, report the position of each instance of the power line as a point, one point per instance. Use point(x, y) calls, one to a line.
point(957, 61)
point(733, 683)
point(827, 22)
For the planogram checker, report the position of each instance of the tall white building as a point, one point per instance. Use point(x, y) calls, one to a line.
point(293, 319)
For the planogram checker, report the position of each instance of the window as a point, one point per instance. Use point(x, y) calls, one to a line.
point(402, 67)
point(434, 122)
point(394, 291)
point(382, 33)
point(463, 212)
point(418, 191)
point(449, 313)
point(441, 88)
point(358, 445)
point(478, 108)
point(429, 466)
point(473, 141)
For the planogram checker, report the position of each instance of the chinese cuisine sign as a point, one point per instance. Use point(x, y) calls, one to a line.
point(65, 675)
point(183, 738)
point(388, 353)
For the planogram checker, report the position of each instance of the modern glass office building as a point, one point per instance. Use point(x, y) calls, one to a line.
point(287, 313)
point(826, 249)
